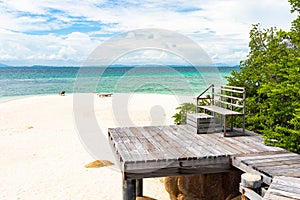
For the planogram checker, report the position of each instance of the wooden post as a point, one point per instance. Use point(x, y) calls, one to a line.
point(213, 95)
point(251, 186)
point(129, 189)
point(244, 111)
point(231, 108)
point(224, 125)
point(139, 187)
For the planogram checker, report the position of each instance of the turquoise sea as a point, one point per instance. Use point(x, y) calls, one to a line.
point(22, 81)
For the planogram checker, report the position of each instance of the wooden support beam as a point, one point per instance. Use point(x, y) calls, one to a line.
point(139, 187)
point(129, 189)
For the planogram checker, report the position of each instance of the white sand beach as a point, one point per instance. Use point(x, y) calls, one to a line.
point(42, 156)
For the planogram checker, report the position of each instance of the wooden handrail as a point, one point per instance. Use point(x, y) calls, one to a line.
point(229, 97)
point(230, 104)
point(210, 86)
point(229, 86)
point(224, 99)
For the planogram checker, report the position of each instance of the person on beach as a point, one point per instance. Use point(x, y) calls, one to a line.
point(62, 93)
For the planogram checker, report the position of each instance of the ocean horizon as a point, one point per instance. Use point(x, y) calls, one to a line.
point(173, 79)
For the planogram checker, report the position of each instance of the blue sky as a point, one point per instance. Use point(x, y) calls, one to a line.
point(65, 32)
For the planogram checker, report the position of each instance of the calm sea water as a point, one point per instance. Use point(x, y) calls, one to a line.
point(21, 81)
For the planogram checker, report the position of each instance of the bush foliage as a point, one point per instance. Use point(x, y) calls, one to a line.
point(271, 75)
point(180, 117)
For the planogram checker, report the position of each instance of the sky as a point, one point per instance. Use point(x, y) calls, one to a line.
point(65, 32)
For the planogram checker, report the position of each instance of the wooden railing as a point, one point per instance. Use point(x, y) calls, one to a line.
point(224, 100)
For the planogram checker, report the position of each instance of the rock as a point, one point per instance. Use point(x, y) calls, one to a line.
point(203, 186)
point(171, 187)
point(98, 164)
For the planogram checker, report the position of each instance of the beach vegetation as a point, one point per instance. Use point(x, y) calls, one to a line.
point(271, 76)
point(183, 109)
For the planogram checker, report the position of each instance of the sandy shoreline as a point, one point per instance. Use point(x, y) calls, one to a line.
point(42, 156)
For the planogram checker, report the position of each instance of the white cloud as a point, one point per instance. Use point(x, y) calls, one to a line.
point(23, 49)
point(220, 27)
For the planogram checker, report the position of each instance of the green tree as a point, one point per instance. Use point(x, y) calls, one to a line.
point(180, 117)
point(271, 75)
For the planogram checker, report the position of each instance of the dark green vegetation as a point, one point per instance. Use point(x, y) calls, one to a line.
point(271, 76)
point(180, 117)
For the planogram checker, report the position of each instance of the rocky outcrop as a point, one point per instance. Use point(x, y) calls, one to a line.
point(203, 186)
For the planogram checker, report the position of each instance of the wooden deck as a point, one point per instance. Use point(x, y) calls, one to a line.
point(283, 188)
point(269, 164)
point(174, 150)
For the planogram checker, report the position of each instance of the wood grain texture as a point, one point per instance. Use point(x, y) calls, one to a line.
point(158, 151)
point(283, 188)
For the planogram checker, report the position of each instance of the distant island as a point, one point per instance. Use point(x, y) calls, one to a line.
point(3, 65)
point(124, 66)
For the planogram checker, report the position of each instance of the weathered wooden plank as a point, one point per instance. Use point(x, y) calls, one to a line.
point(220, 110)
point(140, 140)
point(260, 145)
point(280, 170)
point(118, 146)
point(253, 143)
point(224, 144)
point(217, 143)
point(284, 187)
point(274, 196)
point(141, 147)
point(269, 159)
point(154, 147)
point(177, 171)
point(287, 188)
point(256, 146)
point(262, 156)
point(286, 161)
point(159, 136)
point(248, 162)
point(188, 140)
point(242, 166)
point(202, 141)
point(154, 138)
point(150, 166)
point(134, 153)
point(292, 174)
point(241, 147)
point(187, 150)
point(283, 180)
point(199, 142)
point(153, 150)
point(208, 164)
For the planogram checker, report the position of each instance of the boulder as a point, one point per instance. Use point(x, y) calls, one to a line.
point(203, 186)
